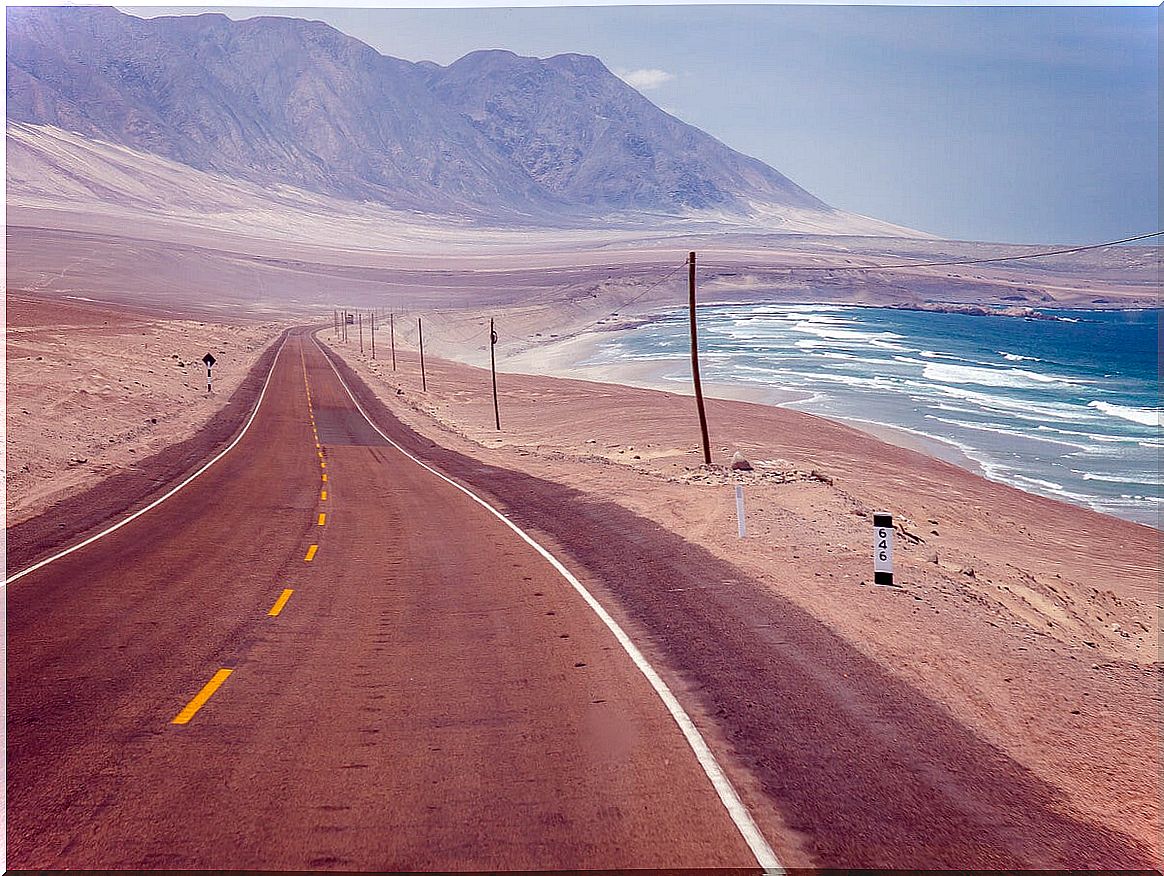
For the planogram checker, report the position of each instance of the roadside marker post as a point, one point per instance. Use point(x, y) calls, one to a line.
point(883, 549)
point(742, 523)
point(209, 360)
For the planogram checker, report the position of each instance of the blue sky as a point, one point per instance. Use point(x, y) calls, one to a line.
point(1002, 124)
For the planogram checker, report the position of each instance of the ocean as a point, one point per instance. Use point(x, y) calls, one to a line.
point(1067, 408)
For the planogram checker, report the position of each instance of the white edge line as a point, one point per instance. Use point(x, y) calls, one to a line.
point(156, 502)
point(735, 807)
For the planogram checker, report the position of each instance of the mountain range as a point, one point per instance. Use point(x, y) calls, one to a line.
point(288, 102)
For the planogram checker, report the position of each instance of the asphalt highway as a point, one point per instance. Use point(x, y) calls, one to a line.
point(324, 653)
point(320, 655)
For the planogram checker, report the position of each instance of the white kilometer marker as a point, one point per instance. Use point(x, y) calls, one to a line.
point(743, 526)
point(883, 549)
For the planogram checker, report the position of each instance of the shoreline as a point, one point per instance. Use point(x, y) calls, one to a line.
point(557, 362)
point(566, 357)
point(1023, 616)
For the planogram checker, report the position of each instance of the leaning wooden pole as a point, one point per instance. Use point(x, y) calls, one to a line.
point(420, 339)
point(695, 360)
point(392, 337)
point(493, 368)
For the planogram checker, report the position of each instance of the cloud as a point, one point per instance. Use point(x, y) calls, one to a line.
point(644, 80)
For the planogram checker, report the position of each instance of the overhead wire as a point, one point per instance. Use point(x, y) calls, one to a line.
point(636, 298)
point(955, 262)
point(407, 331)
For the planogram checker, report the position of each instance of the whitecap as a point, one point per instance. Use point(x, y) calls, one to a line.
point(1009, 378)
point(1143, 416)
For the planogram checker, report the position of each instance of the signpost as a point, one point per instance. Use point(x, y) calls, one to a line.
point(209, 360)
point(742, 524)
point(883, 549)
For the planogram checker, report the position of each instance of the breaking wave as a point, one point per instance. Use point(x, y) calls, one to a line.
point(1143, 416)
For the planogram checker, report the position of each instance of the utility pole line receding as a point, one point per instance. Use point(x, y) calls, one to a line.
point(493, 368)
point(420, 339)
point(392, 337)
point(695, 360)
point(360, 322)
point(372, 316)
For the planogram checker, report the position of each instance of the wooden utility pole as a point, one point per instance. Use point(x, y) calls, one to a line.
point(420, 339)
point(335, 322)
point(695, 360)
point(493, 368)
point(392, 337)
point(360, 323)
point(372, 316)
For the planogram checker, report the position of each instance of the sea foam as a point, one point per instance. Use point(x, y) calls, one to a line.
point(1143, 416)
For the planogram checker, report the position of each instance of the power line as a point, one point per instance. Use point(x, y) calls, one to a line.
point(1014, 258)
point(634, 299)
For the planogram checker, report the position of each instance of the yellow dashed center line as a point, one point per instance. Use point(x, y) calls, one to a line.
point(184, 716)
point(279, 603)
point(311, 553)
point(323, 495)
point(322, 518)
point(325, 479)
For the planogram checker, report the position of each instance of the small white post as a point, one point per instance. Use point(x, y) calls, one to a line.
point(883, 549)
point(740, 510)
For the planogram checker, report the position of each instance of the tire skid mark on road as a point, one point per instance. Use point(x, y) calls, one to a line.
point(738, 812)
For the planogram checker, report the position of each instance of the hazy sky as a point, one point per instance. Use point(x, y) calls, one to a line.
point(1005, 124)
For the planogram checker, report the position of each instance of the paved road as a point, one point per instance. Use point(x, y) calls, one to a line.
point(431, 693)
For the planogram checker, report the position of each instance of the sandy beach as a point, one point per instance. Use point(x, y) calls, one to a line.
point(474, 440)
point(1033, 622)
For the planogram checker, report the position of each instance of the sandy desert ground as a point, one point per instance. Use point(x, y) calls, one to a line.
point(1033, 623)
point(91, 388)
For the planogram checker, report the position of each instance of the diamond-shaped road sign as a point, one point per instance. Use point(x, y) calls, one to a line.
point(209, 360)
